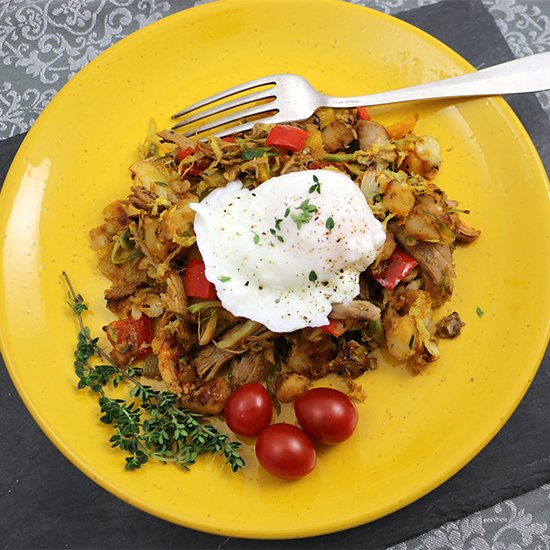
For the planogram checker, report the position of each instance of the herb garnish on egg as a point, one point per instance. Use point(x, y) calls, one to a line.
point(280, 267)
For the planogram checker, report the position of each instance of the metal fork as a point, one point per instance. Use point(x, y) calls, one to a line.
point(289, 97)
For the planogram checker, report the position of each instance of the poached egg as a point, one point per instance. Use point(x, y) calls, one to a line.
point(283, 253)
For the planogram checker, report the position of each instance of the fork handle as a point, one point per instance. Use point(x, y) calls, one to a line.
point(527, 74)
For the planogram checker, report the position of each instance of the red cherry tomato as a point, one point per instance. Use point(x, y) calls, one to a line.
point(248, 410)
point(286, 451)
point(326, 415)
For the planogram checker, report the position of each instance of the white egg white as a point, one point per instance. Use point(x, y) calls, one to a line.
point(283, 253)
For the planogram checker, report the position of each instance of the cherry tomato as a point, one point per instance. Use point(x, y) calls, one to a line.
point(286, 451)
point(248, 410)
point(326, 415)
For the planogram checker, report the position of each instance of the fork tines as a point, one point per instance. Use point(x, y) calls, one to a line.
point(264, 99)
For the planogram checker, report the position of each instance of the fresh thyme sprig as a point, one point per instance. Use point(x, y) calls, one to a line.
point(152, 426)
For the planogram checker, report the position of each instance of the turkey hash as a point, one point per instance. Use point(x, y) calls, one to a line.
point(279, 256)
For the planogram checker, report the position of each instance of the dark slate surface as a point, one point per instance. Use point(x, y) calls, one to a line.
point(45, 502)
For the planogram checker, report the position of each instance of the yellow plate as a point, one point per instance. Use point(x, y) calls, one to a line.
point(414, 432)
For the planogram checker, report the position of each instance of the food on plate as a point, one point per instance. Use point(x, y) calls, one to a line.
point(286, 451)
point(281, 255)
point(326, 415)
point(248, 410)
point(152, 425)
point(284, 252)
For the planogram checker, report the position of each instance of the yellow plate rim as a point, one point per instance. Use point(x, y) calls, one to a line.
point(10, 186)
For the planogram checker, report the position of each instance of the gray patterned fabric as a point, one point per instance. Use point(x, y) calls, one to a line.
point(44, 43)
point(521, 523)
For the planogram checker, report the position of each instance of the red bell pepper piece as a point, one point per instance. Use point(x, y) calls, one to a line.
point(287, 137)
point(193, 168)
point(363, 113)
point(398, 266)
point(197, 168)
point(131, 336)
point(196, 283)
point(184, 153)
point(335, 327)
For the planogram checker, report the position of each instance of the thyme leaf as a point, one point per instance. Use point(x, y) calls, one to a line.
point(151, 426)
point(316, 187)
point(305, 215)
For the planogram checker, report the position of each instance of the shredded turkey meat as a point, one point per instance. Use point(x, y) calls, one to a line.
point(201, 351)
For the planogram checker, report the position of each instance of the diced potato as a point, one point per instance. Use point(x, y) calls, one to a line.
point(326, 116)
point(314, 143)
point(116, 216)
point(398, 199)
point(401, 335)
point(424, 159)
point(99, 237)
point(422, 227)
point(337, 136)
point(290, 386)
